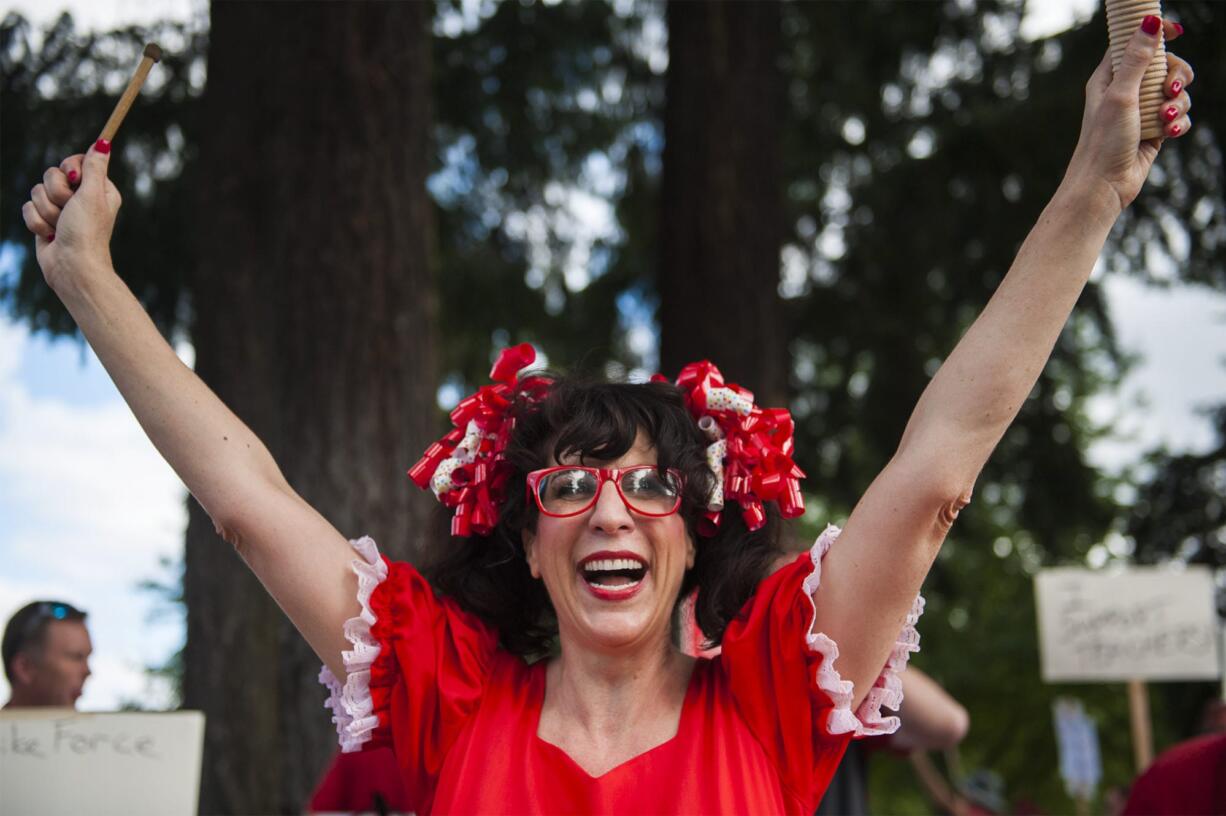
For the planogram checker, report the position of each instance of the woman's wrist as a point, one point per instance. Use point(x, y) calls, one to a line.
point(72, 275)
point(1092, 198)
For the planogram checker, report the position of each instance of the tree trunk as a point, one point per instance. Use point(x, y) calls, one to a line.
point(722, 200)
point(314, 320)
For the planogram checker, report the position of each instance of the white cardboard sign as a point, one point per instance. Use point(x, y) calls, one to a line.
point(58, 761)
point(1144, 623)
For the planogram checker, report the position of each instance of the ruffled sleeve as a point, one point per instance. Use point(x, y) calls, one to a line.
point(416, 670)
point(785, 682)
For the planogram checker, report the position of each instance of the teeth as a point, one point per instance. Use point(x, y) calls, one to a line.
point(617, 587)
point(610, 564)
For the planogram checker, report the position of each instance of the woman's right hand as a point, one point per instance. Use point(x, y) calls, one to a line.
point(1110, 155)
point(72, 214)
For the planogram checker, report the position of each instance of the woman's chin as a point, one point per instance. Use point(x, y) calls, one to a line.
point(617, 640)
point(617, 625)
point(617, 616)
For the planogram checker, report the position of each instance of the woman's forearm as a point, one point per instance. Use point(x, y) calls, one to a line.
point(981, 386)
point(212, 451)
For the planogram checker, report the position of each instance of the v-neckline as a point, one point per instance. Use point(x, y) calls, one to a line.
point(686, 704)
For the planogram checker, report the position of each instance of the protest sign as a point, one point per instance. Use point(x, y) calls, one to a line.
point(59, 761)
point(1143, 623)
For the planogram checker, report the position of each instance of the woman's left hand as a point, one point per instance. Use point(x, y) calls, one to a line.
point(1110, 154)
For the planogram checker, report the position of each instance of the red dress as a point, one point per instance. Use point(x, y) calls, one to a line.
point(762, 728)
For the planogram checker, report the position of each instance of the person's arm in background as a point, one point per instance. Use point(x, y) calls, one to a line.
point(931, 719)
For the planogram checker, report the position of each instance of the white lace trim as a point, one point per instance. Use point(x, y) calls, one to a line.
point(867, 721)
point(352, 708)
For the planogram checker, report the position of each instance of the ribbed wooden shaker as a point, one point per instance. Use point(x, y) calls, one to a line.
point(1123, 19)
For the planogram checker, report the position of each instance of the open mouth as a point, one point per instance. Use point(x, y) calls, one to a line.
point(617, 574)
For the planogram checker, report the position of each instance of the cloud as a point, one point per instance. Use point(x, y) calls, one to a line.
point(87, 510)
point(1179, 334)
point(108, 14)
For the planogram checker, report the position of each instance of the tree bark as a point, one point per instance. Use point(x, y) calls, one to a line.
point(722, 197)
point(314, 320)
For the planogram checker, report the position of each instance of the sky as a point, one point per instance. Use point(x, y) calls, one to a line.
point(88, 509)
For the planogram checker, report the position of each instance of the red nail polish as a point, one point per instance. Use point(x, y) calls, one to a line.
point(51, 237)
point(1176, 87)
point(1178, 29)
point(72, 176)
point(1171, 113)
point(1151, 24)
point(1176, 130)
point(103, 146)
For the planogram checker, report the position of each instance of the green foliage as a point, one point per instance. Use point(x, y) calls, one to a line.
point(55, 98)
point(539, 108)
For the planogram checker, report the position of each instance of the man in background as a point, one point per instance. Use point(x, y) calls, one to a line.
point(46, 652)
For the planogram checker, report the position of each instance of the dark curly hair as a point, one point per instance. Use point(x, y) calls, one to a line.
point(489, 576)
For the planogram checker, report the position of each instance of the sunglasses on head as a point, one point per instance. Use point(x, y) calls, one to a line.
point(44, 612)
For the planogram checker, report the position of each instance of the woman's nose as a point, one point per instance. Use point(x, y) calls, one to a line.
point(610, 513)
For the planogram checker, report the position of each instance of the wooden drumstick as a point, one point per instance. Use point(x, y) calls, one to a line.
point(152, 55)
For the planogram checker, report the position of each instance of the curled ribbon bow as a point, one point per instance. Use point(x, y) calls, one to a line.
point(466, 469)
point(750, 450)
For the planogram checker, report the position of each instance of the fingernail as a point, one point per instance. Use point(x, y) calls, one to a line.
point(51, 237)
point(72, 176)
point(103, 146)
point(1176, 130)
point(1151, 24)
point(1171, 113)
point(1178, 29)
point(1176, 87)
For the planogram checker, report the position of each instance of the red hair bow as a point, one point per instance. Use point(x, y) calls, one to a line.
point(750, 451)
point(466, 469)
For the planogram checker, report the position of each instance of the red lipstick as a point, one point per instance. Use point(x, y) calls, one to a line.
point(608, 561)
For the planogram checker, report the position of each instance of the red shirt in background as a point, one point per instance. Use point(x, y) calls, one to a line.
point(365, 782)
point(1187, 780)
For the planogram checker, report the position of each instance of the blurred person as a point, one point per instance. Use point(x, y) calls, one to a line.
point(1213, 716)
point(46, 652)
point(930, 720)
point(531, 668)
point(367, 782)
point(1188, 779)
point(983, 792)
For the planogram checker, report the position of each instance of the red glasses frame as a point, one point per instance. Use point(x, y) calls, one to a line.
point(604, 475)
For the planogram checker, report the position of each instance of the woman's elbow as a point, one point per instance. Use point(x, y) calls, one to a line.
point(229, 528)
point(950, 505)
point(240, 514)
point(940, 493)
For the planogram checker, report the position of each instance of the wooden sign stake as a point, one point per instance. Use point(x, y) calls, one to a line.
point(1142, 727)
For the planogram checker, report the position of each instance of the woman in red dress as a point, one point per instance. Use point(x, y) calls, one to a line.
point(541, 676)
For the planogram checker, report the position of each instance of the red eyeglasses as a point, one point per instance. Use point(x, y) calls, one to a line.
point(568, 490)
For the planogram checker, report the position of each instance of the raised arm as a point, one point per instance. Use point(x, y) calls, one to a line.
point(893, 534)
point(297, 555)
